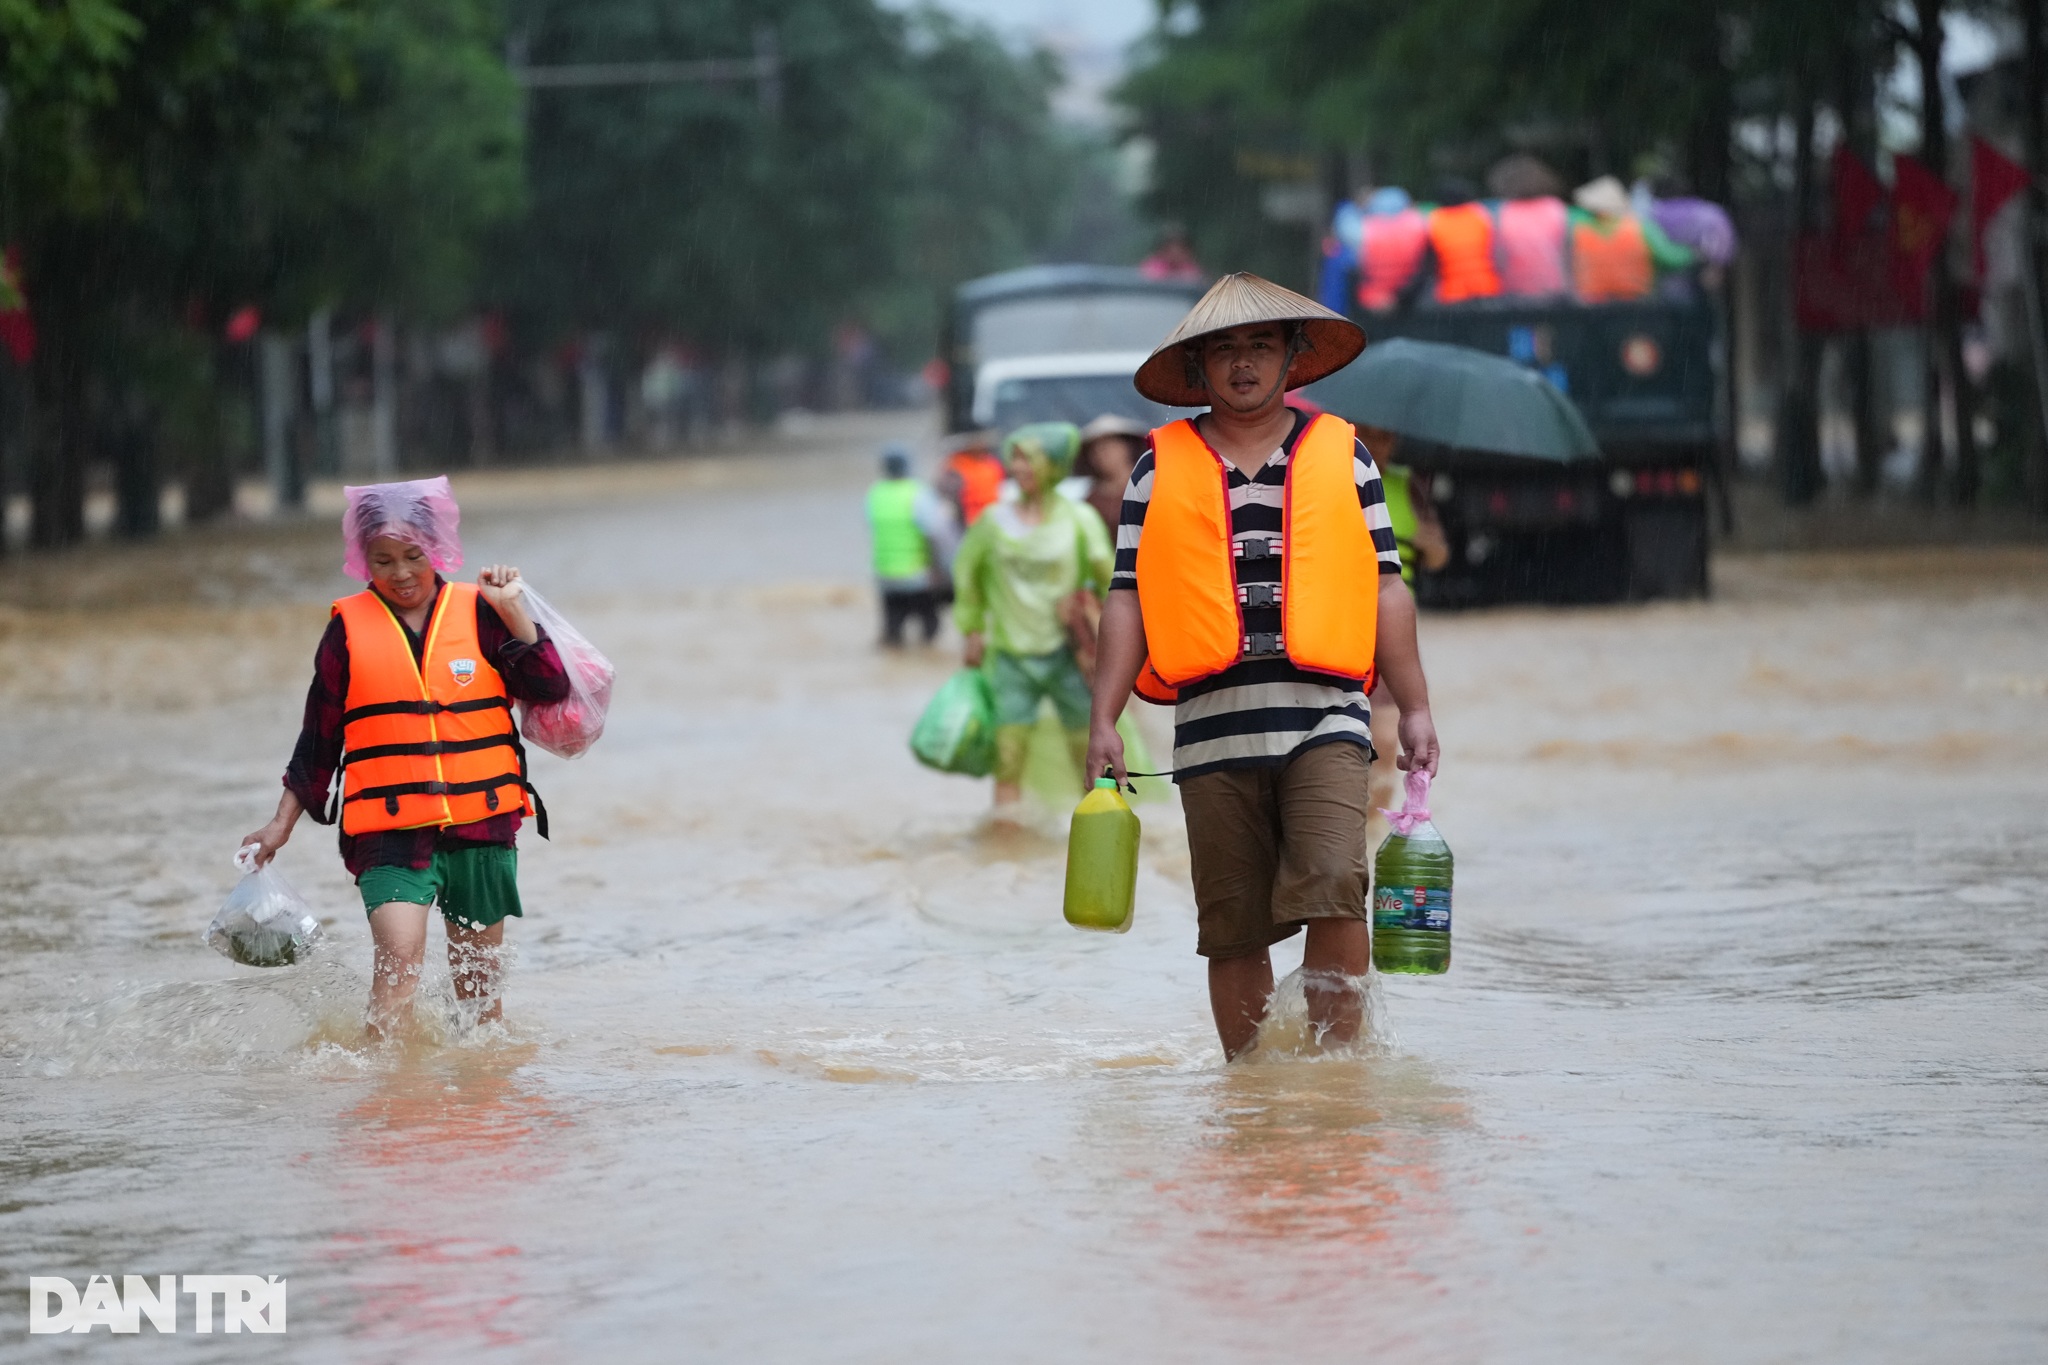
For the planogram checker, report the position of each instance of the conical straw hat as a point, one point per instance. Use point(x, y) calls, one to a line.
point(1170, 376)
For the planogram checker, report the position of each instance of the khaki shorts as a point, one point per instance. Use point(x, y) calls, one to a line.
point(1272, 847)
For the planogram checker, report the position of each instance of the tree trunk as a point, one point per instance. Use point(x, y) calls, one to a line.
point(1855, 102)
point(59, 440)
point(209, 467)
point(1707, 140)
point(1948, 310)
point(2036, 215)
point(1863, 413)
point(1944, 332)
point(1798, 415)
point(138, 475)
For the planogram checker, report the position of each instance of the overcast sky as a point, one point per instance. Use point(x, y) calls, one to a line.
point(1090, 35)
point(1093, 35)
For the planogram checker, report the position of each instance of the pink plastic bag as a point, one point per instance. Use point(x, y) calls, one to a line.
point(567, 727)
point(1414, 812)
point(420, 512)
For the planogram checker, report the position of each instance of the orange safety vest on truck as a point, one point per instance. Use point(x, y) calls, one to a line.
point(1612, 267)
point(427, 743)
point(1462, 236)
point(1187, 563)
point(1390, 247)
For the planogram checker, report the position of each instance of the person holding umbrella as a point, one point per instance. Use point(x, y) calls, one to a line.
point(1257, 587)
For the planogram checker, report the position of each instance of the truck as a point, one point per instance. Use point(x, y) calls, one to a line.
point(1055, 343)
point(1061, 342)
point(1650, 378)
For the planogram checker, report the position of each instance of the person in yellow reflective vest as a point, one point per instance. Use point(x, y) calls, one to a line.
point(905, 526)
point(1417, 530)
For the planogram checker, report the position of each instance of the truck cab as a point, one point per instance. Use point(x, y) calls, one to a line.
point(1054, 335)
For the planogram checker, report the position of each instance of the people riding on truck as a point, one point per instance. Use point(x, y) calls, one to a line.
point(1605, 247)
point(1616, 252)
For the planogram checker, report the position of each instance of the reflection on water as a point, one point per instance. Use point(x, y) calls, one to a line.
point(441, 1109)
point(1328, 1156)
point(1741, 1058)
point(420, 1160)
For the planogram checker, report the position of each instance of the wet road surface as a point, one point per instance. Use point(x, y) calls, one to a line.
point(1743, 1055)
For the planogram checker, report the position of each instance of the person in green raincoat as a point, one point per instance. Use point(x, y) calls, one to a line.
point(1016, 578)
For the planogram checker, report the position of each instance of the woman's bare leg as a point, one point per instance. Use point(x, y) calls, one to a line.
point(400, 931)
point(474, 961)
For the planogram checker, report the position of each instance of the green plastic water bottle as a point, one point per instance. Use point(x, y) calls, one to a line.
point(1102, 860)
point(1411, 899)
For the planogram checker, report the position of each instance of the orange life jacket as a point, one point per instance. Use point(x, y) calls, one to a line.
point(1611, 267)
point(430, 743)
point(981, 481)
point(1532, 247)
point(1390, 247)
point(1462, 236)
point(1187, 562)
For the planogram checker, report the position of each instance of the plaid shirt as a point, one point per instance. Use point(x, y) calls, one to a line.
point(531, 672)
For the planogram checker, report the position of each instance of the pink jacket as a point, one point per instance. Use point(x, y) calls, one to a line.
point(1531, 238)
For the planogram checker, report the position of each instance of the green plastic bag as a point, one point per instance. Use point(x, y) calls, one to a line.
point(957, 732)
point(1051, 779)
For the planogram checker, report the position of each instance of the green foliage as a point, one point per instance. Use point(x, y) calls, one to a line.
point(1420, 90)
point(169, 160)
point(906, 152)
point(163, 162)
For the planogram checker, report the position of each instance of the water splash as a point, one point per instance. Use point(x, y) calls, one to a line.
point(309, 1014)
point(1286, 1035)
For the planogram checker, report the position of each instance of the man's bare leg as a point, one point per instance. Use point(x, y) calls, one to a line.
point(474, 960)
point(399, 929)
point(1239, 990)
point(1339, 951)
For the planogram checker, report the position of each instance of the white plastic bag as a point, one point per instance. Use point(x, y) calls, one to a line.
point(567, 727)
point(265, 923)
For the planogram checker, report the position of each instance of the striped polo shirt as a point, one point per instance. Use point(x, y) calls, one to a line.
point(1262, 709)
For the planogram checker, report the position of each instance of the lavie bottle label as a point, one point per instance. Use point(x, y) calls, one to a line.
point(1412, 907)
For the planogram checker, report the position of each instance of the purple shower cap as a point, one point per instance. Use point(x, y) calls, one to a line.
point(420, 512)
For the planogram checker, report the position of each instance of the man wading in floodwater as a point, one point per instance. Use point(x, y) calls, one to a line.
point(1258, 588)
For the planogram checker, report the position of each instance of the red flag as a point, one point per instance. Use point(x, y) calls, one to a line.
point(1994, 179)
point(17, 326)
point(1858, 196)
point(1922, 205)
point(243, 323)
point(1846, 286)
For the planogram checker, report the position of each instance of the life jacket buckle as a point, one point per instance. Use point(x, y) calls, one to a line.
point(491, 799)
point(1257, 547)
point(1258, 594)
point(437, 788)
point(1263, 642)
point(391, 805)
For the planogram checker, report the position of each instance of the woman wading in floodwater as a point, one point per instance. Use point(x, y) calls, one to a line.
point(1016, 581)
point(415, 680)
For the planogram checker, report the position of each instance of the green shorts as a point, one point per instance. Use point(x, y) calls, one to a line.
point(476, 886)
point(1019, 681)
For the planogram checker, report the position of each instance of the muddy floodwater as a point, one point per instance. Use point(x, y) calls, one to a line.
point(1743, 1055)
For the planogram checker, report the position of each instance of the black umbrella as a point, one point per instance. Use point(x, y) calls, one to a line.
point(1458, 397)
